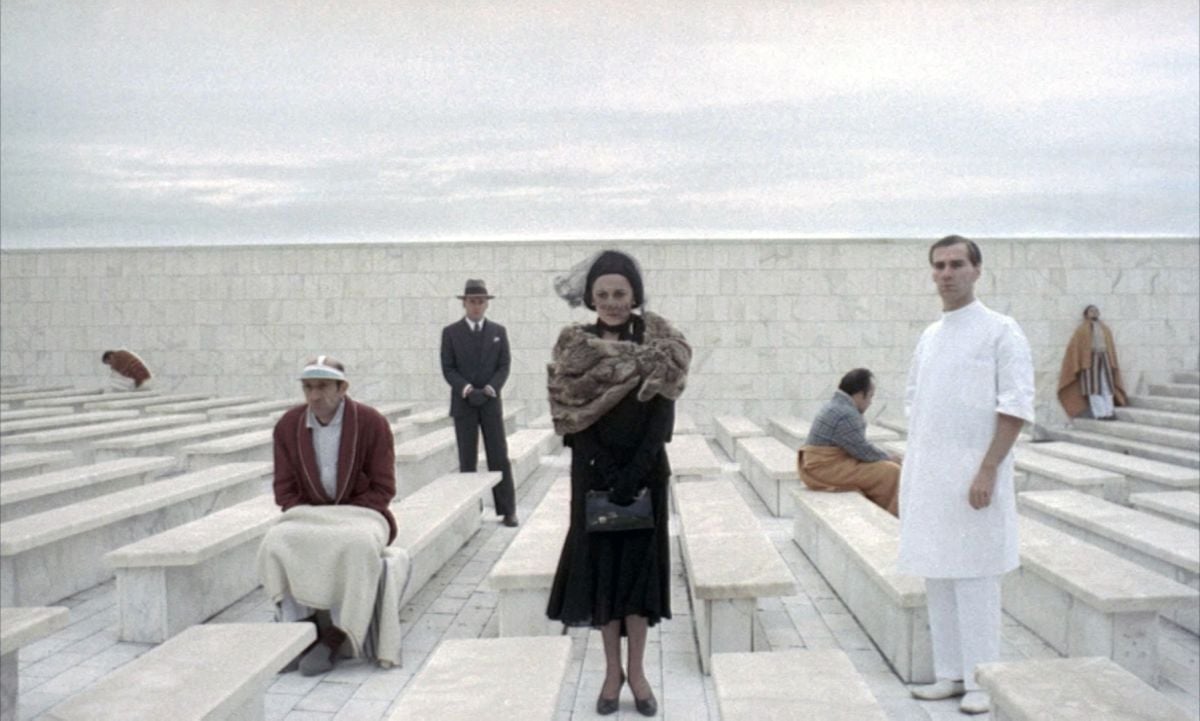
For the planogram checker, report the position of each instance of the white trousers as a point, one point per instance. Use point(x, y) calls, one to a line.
point(1102, 403)
point(964, 625)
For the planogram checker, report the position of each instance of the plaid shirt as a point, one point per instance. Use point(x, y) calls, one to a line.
point(840, 424)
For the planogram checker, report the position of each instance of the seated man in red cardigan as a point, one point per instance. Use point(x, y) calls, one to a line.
point(334, 478)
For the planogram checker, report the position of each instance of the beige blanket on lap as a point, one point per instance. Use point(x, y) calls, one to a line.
point(327, 557)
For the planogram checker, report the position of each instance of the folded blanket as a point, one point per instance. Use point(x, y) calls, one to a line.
point(327, 557)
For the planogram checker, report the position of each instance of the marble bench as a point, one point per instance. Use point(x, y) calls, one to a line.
point(770, 468)
point(1178, 506)
point(259, 408)
point(424, 458)
point(1086, 601)
point(214, 671)
point(63, 421)
point(523, 574)
point(200, 406)
point(797, 684)
point(854, 544)
point(1141, 474)
point(256, 445)
point(792, 431)
point(542, 421)
point(20, 626)
point(79, 439)
point(728, 429)
point(23, 399)
point(435, 521)
point(25, 414)
point(170, 441)
point(74, 402)
point(395, 410)
point(430, 419)
point(499, 679)
point(55, 489)
point(1153, 543)
point(892, 423)
point(51, 555)
point(23, 465)
point(525, 450)
point(123, 401)
point(1040, 472)
point(1072, 689)
point(730, 563)
point(182, 576)
point(692, 459)
point(685, 425)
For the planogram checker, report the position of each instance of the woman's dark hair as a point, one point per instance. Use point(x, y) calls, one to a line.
point(613, 262)
point(856, 381)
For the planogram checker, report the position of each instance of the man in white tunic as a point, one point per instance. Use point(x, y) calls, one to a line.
point(970, 389)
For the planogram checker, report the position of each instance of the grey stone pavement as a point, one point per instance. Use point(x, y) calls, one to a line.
point(456, 603)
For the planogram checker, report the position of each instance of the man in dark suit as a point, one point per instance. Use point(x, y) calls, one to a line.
point(475, 360)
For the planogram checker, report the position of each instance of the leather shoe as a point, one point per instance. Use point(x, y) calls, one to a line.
point(942, 688)
point(511, 520)
point(975, 702)
point(608, 706)
point(646, 706)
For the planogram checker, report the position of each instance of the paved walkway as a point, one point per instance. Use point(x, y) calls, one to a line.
point(457, 604)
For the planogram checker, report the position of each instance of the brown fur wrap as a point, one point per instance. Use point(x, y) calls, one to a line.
point(589, 376)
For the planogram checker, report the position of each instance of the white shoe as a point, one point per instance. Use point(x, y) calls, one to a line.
point(975, 702)
point(942, 688)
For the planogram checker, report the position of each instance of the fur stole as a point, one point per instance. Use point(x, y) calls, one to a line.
point(589, 376)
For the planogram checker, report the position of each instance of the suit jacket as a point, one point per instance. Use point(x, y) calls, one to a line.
point(481, 360)
point(366, 462)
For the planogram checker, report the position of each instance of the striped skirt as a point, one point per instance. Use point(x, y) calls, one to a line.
point(1098, 379)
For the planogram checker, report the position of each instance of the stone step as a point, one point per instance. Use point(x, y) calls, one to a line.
point(1155, 474)
point(1186, 377)
point(1188, 441)
point(1140, 449)
point(1160, 403)
point(1175, 390)
point(1161, 419)
point(1178, 506)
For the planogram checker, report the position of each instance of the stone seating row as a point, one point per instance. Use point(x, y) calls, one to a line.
point(794, 684)
point(200, 406)
point(1072, 689)
point(435, 452)
point(171, 441)
point(177, 680)
point(182, 576)
point(1080, 599)
point(1141, 474)
point(1162, 546)
point(34, 494)
point(685, 425)
point(48, 556)
point(770, 468)
point(792, 431)
point(1159, 419)
point(8, 428)
point(727, 429)
point(79, 439)
point(24, 414)
point(1127, 446)
point(1178, 506)
point(729, 563)
point(37, 399)
point(523, 574)
point(22, 465)
point(526, 447)
point(20, 626)
point(137, 401)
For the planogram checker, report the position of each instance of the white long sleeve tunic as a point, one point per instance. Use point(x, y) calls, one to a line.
point(969, 366)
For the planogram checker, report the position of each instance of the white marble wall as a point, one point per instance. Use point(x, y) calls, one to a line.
point(774, 322)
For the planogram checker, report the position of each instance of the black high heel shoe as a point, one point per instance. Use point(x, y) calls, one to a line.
point(607, 706)
point(646, 706)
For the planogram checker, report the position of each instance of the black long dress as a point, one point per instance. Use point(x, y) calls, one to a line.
point(607, 576)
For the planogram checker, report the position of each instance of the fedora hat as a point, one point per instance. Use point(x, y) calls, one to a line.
point(475, 287)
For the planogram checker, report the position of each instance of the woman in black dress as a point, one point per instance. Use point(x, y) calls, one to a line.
point(613, 386)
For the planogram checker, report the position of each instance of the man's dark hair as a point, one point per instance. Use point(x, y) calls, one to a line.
point(974, 254)
point(856, 381)
point(107, 354)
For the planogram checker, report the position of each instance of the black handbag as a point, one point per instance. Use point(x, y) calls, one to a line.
point(604, 516)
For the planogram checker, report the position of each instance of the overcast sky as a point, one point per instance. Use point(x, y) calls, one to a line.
point(165, 122)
